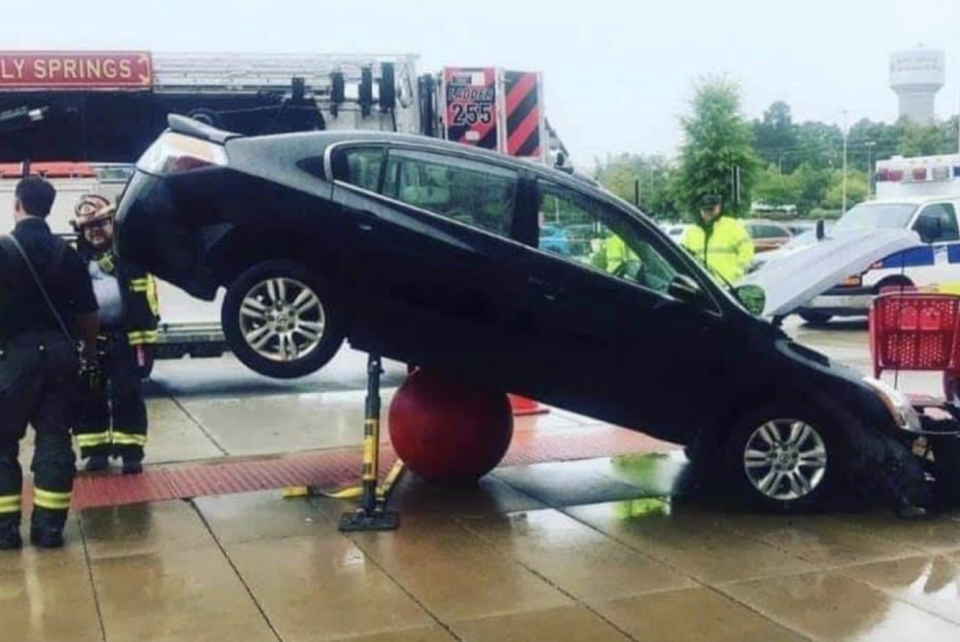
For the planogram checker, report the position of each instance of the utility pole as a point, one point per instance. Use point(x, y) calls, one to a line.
point(845, 132)
point(869, 145)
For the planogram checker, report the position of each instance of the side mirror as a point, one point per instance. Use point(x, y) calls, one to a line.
point(821, 229)
point(685, 289)
point(753, 298)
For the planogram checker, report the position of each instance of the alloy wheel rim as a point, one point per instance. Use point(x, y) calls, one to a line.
point(785, 459)
point(282, 319)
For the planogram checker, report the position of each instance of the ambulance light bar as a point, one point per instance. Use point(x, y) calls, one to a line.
point(917, 174)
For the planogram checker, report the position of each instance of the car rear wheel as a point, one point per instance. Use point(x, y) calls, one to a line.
point(785, 457)
point(282, 321)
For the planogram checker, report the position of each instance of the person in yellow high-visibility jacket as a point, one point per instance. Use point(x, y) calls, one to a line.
point(616, 253)
point(719, 241)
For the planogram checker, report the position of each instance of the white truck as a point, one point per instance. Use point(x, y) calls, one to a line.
point(82, 119)
point(920, 194)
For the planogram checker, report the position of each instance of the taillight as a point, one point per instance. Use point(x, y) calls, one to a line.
point(174, 153)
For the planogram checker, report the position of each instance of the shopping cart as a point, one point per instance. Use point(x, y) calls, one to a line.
point(916, 331)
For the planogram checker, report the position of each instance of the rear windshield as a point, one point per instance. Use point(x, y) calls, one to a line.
point(874, 216)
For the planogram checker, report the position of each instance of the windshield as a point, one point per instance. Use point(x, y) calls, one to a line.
point(875, 216)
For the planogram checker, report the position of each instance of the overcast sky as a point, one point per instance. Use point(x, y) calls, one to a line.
point(617, 74)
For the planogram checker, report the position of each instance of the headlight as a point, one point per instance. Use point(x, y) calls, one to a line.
point(899, 406)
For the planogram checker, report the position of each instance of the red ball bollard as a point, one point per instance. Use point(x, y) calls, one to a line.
point(449, 433)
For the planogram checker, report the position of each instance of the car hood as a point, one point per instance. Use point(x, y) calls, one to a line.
point(792, 280)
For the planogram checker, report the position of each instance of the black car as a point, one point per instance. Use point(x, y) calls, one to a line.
point(427, 252)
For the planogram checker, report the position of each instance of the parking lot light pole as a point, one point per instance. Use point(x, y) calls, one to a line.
point(869, 145)
point(843, 208)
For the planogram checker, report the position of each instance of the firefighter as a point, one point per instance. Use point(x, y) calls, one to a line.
point(46, 304)
point(719, 241)
point(112, 421)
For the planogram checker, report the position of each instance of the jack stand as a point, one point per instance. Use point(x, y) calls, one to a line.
point(372, 514)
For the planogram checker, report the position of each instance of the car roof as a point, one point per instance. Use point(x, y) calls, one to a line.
point(908, 200)
point(330, 138)
point(322, 140)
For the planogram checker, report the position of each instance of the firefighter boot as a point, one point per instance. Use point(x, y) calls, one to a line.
point(46, 527)
point(97, 463)
point(10, 532)
point(132, 463)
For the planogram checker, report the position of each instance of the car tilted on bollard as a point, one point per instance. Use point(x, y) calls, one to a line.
point(430, 253)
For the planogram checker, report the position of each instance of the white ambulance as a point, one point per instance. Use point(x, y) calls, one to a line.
point(920, 194)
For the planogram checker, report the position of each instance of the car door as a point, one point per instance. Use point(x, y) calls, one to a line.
point(608, 335)
point(936, 224)
point(432, 237)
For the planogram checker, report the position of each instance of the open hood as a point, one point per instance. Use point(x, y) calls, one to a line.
point(792, 280)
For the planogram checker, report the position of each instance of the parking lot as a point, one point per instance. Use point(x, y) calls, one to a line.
point(558, 543)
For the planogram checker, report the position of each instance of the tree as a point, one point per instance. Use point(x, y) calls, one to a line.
point(621, 173)
point(812, 183)
point(926, 140)
point(856, 190)
point(775, 137)
point(776, 189)
point(717, 144)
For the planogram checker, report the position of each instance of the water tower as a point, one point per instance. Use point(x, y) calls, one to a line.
point(916, 76)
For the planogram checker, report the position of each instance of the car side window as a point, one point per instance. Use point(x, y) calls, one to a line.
point(937, 223)
point(476, 194)
point(595, 235)
point(360, 166)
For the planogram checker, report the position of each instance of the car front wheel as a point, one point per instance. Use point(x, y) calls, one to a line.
point(785, 457)
point(281, 320)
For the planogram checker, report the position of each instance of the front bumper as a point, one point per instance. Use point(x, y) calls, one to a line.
point(842, 302)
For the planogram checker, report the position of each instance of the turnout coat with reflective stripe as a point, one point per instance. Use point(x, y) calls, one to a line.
point(724, 247)
point(138, 291)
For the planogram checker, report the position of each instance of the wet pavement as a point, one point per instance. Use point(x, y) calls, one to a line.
point(598, 549)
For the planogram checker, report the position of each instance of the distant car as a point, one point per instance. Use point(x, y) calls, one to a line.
point(800, 240)
point(799, 227)
point(429, 252)
point(768, 235)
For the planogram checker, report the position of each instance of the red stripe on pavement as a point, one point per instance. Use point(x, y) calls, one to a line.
point(333, 468)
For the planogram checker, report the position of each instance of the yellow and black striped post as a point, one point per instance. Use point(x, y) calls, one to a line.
point(372, 514)
point(371, 435)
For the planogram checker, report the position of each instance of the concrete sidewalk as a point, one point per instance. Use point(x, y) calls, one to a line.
point(590, 550)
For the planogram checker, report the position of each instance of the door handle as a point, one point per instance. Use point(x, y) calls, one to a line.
point(366, 221)
point(547, 291)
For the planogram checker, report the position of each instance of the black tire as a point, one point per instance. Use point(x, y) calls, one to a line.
point(268, 361)
point(784, 412)
point(815, 318)
point(207, 117)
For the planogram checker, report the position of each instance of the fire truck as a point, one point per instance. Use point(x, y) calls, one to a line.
point(82, 119)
